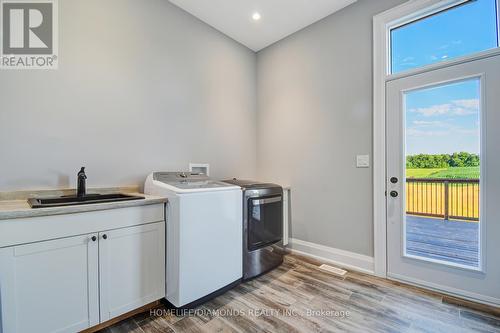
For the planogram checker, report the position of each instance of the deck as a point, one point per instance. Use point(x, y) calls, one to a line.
point(452, 241)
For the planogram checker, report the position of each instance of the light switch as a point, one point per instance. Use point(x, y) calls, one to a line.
point(363, 161)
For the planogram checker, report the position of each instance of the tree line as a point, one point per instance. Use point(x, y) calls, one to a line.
point(427, 161)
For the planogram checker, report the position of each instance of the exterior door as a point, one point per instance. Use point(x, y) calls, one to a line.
point(443, 185)
point(132, 268)
point(61, 274)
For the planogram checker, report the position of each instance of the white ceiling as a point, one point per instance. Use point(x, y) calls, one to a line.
point(279, 18)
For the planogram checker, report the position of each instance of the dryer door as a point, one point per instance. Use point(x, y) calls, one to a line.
point(265, 221)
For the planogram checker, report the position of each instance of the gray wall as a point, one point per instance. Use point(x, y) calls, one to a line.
point(314, 116)
point(141, 86)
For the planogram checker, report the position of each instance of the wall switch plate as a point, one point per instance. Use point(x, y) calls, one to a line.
point(363, 161)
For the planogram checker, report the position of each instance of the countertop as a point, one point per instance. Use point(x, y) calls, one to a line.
point(14, 209)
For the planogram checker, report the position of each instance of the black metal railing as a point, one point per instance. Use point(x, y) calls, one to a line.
point(446, 198)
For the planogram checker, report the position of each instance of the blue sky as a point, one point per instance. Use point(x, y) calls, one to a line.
point(444, 119)
point(461, 30)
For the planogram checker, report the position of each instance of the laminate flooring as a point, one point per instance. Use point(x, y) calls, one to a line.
point(300, 297)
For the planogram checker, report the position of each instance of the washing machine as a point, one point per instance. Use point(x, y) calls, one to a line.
point(203, 235)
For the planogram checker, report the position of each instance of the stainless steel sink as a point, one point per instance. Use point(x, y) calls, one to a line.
point(80, 200)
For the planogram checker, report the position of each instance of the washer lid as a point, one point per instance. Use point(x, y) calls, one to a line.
point(184, 182)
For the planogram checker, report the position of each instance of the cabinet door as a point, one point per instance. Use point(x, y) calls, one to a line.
point(132, 268)
point(49, 286)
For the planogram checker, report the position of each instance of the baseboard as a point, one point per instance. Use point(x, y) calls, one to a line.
point(337, 257)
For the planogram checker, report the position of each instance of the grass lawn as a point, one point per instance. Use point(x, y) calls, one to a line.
point(468, 172)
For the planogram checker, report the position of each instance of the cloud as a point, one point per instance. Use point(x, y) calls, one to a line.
point(421, 129)
point(451, 132)
point(425, 123)
point(468, 103)
point(471, 132)
point(460, 107)
point(434, 110)
point(414, 132)
point(464, 112)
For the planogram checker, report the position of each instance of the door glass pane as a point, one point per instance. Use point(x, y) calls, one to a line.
point(458, 31)
point(442, 140)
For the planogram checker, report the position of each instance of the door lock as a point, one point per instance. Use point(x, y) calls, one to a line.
point(394, 180)
point(394, 194)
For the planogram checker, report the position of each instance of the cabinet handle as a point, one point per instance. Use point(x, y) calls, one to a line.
point(104, 236)
point(94, 238)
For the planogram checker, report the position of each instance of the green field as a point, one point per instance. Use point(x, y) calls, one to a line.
point(465, 172)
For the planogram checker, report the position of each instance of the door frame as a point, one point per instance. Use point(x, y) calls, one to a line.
point(382, 24)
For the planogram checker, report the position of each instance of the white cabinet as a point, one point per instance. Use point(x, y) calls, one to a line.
point(73, 282)
point(50, 286)
point(132, 268)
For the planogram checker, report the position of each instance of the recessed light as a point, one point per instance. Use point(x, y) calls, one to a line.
point(256, 16)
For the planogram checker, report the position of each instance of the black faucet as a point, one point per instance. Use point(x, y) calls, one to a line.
point(81, 188)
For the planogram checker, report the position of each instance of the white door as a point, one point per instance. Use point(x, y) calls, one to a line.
point(132, 268)
point(443, 227)
point(61, 274)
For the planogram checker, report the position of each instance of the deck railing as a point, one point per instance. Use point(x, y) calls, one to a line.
point(446, 198)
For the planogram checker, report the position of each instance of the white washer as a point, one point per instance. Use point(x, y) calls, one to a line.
point(204, 235)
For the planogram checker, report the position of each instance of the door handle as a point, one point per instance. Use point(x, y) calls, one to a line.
point(266, 201)
point(394, 194)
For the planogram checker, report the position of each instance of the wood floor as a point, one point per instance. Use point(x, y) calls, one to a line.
point(299, 297)
point(452, 241)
